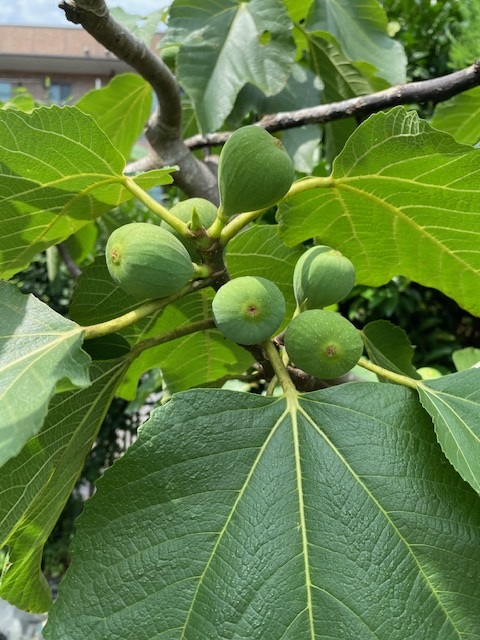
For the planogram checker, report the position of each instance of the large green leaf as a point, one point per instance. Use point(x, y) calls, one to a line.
point(40, 352)
point(460, 116)
point(227, 45)
point(35, 485)
point(58, 171)
point(403, 199)
point(121, 109)
point(454, 404)
point(331, 515)
point(360, 26)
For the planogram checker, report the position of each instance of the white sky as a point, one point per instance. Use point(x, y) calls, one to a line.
point(47, 13)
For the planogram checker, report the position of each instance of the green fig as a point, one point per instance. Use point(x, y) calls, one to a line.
point(322, 276)
point(248, 310)
point(254, 171)
point(203, 212)
point(147, 261)
point(323, 343)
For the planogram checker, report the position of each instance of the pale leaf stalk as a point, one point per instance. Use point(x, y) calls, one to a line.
point(389, 375)
point(215, 230)
point(143, 311)
point(307, 184)
point(279, 368)
point(156, 208)
point(238, 223)
point(174, 334)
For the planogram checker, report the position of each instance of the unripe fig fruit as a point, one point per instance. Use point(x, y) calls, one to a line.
point(254, 171)
point(322, 276)
point(248, 310)
point(323, 343)
point(147, 261)
point(206, 212)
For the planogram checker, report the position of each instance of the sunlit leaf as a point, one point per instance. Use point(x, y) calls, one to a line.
point(40, 352)
point(59, 171)
point(403, 199)
point(121, 109)
point(460, 116)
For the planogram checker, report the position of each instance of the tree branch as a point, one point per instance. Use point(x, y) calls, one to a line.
point(436, 90)
point(164, 131)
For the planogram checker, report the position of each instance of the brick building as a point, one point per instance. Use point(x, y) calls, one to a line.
point(54, 64)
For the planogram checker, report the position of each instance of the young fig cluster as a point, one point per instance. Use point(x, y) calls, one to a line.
point(322, 342)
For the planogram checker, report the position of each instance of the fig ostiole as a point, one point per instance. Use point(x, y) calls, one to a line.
point(323, 343)
point(147, 261)
point(254, 171)
point(322, 276)
point(249, 309)
point(197, 213)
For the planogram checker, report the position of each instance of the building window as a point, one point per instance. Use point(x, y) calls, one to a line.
point(60, 92)
point(5, 91)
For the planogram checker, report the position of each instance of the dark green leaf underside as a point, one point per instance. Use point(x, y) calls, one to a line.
point(249, 517)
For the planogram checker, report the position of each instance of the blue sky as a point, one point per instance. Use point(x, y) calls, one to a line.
point(46, 12)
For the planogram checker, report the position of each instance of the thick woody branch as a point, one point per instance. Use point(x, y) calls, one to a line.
point(164, 131)
point(436, 90)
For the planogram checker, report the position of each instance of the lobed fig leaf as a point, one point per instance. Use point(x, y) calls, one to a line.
point(323, 343)
point(254, 171)
point(197, 212)
point(249, 309)
point(322, 276)
point(147, 261)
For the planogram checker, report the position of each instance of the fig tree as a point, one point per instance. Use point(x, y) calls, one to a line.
point(254, 171)
point(147, 261)
point(248, 310)
point(322, 276)
point(323, 343)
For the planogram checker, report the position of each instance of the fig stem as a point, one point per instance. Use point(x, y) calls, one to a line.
point(238, 223)
point(234, 226)
point(305, 184)
point(385, 373)
point(279, 368)
point(174, 334)
point(271, 386)
point(144, 310)
point(156, 208)
point(215, 230)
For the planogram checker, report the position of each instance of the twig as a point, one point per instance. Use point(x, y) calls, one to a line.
point(164, 131)
point(436, 90)
point(73, 268)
